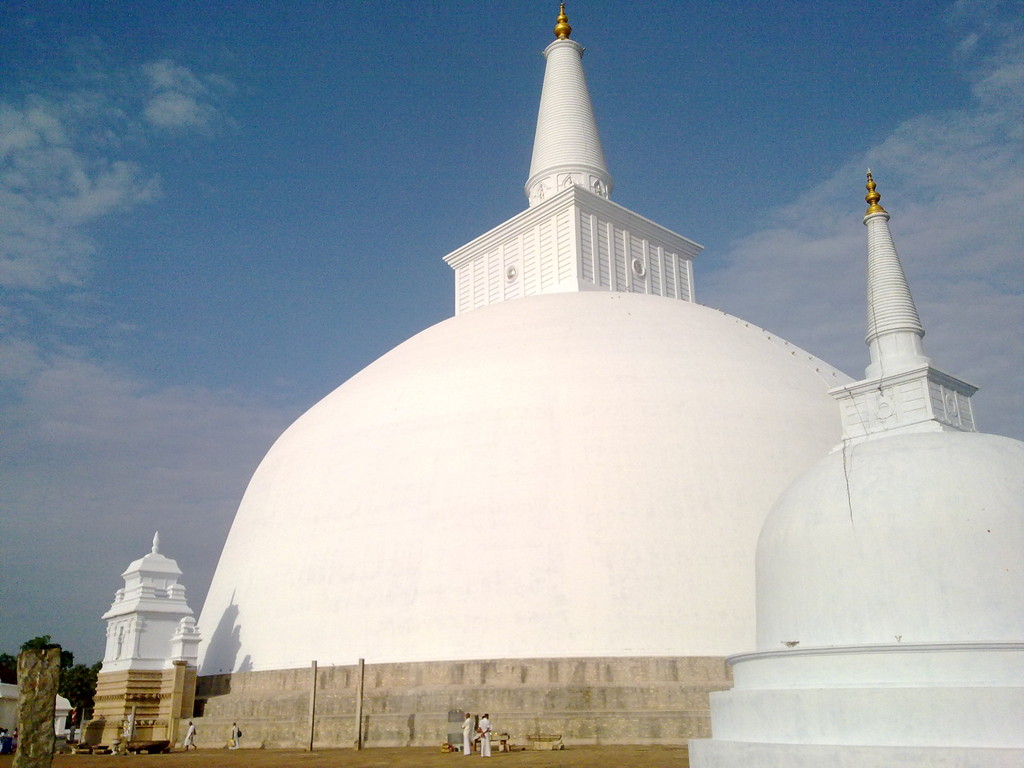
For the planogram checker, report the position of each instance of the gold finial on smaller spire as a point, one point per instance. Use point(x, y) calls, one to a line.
point(872, 197)
point(562, 28)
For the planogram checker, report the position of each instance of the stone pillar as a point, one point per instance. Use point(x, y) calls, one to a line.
point(312, 704)
point(359, 704)
point(38, 672)
point(177, 695)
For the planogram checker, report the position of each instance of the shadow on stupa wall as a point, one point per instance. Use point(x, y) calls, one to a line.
point(224, 645)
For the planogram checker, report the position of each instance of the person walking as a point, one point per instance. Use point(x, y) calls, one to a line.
point(468, 727)
point(236, 736)
point(190, 737)
point(484, 729)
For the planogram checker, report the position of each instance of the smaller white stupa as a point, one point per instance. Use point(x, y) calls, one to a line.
point(149, 666)
point(890, 576)
point(149, 623)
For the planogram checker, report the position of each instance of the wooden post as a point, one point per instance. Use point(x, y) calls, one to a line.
point(312, 703)
point(359, 704)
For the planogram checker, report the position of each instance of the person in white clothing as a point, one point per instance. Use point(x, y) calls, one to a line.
point(468, 728)
point(484, 729)
point(236, 736)
point(190, 737)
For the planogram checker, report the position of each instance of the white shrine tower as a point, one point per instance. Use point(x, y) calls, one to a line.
point(148, 675)
point(572, 238)
point(890, 577)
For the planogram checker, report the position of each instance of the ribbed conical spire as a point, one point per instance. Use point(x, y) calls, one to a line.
point(901, 391)
point(567, 149)
point(894, 328)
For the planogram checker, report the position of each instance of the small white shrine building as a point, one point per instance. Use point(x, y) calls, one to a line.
point(147, 681)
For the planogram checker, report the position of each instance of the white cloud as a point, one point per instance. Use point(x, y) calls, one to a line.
point(175, 110)
point(48, 188)
point(178, 98)
point(967, 45)
point(28, 128)
point(165, 75)
point(60, 169)
point(953, 185)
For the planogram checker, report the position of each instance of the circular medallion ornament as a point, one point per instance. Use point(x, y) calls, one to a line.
point(952, 407)
point(511, 273)
point(884, 408)
point(638, 268)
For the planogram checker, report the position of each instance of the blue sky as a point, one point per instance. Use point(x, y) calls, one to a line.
point(212, 214)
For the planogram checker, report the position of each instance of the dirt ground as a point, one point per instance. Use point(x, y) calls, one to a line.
point(401, 757)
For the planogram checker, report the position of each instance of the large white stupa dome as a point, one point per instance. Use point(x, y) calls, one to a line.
point(576, 465)
point(574, 474)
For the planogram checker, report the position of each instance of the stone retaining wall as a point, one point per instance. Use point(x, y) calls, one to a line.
point(653, 700)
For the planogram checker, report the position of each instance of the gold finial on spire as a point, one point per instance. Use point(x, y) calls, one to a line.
point(872, 197)
point(562, 28)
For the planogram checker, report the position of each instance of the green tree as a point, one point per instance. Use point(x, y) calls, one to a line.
point(8, 668)
point(67, 658)
point(78, 684)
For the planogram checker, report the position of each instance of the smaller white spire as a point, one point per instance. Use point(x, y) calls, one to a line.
point(901, 391)
point(156, 543)
point(894, 328)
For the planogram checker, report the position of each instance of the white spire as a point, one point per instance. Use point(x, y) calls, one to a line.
point(566, 149)
point(156, 543)
point(894, 328)
point(901, 391)
point(572, 238)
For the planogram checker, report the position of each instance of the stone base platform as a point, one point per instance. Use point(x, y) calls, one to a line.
point(650, 700)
